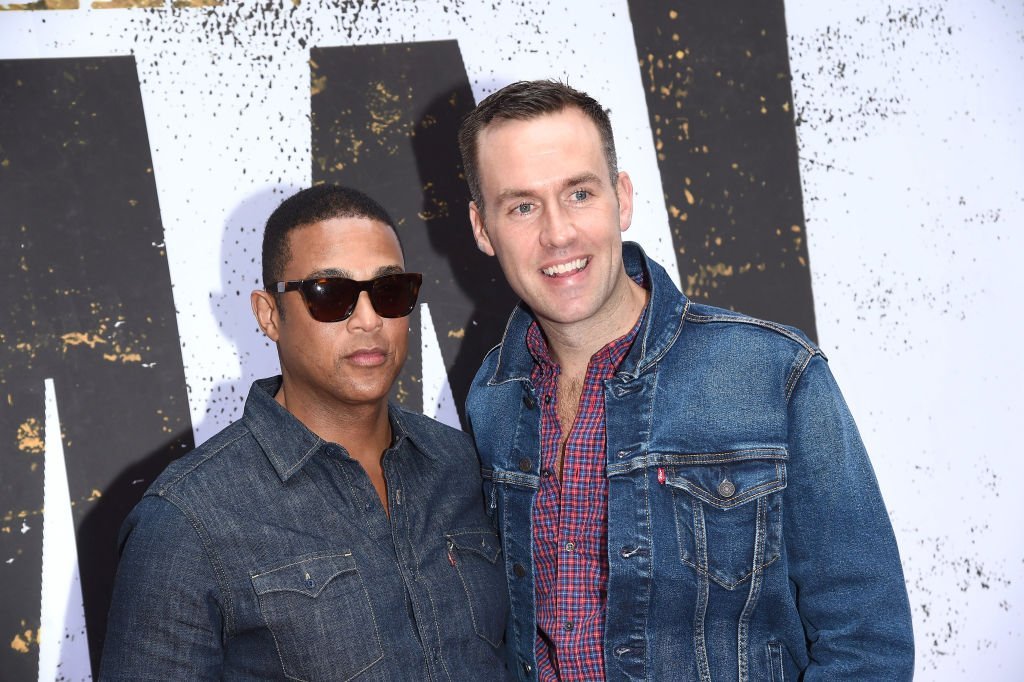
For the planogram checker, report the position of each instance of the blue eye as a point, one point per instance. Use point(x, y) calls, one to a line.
point(580, 195)
point(523, 209)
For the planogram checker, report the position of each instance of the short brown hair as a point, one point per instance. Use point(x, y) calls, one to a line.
point(522, 101)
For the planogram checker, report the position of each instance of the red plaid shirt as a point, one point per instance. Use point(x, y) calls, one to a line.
point(570, 519)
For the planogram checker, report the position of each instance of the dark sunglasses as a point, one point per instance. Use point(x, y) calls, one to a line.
point(333, 299)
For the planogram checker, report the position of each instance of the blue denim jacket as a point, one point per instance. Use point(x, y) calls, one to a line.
point(747, 539)
point(266, 554)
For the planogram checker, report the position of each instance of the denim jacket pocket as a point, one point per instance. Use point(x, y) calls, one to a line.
point(728, 510)
point(311, 604)
point(474, 554)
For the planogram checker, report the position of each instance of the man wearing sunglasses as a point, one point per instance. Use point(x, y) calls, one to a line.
point(681, 491)
point(326, 535)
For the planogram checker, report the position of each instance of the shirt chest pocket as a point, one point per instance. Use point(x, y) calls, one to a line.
point(728, 509)
point(474, 554)
point(318, 611)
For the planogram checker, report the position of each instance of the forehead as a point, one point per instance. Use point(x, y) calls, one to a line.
point(359, 246)
point(527, 151)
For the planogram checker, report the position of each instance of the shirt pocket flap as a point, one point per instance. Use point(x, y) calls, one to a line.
point(483, 542)
point(308, 575)
point(729, 479)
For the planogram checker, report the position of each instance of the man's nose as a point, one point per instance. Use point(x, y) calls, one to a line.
point(364, 316)
point(558, 229)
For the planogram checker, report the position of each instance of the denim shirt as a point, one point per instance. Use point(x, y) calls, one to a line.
point(266, 553)
point(747, 538)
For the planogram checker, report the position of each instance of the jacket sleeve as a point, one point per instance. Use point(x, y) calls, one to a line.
point(843, 559)
point(165, 619)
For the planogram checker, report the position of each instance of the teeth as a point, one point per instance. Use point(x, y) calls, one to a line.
point(577, 264)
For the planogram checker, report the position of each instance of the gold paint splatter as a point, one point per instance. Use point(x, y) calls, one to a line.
point(689, 196)
point(123, 357)
point(95, 495)
point(457, 333)
point(30, 437)
point(181, 4)
point(127, 4)
point(19, 645)
point(78, 338)
point(672, 14)
point(318, 85)
point(42, 4)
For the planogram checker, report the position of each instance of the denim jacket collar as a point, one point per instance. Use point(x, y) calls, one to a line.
point(286, 441)
point(666, 304)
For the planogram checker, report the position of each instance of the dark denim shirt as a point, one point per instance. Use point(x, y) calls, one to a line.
point(266, 554)
point(747, 538)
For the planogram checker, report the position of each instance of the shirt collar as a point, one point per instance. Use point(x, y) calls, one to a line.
point(287, 442)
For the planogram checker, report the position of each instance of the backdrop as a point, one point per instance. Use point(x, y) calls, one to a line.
point(852, 169)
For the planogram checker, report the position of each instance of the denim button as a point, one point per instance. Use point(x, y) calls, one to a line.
point(529, 401)
point(726, 488)
point(525, 465)
point(527, 668)
point(519, 570)
point(311, 583)
point(627, 551)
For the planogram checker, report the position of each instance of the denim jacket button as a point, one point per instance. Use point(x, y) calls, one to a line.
point(726, 488)
point(519, 570)
point(529, 401)
point(525, 465)
point(527, 668)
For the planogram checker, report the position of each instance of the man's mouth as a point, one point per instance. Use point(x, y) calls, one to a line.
point(567, 268)
point(367, 356)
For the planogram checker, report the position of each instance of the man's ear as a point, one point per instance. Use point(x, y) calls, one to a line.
point(476, 218)
point(264, 307)
point(624, 193)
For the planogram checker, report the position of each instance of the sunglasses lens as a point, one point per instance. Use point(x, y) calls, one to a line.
point(395, 295)
point(330, 299)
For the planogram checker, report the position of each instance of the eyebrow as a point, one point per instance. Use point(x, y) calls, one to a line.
point(581, 179)
point(339, 272)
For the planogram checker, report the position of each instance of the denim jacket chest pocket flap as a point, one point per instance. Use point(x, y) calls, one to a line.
point(318, 611)
point(728, 509)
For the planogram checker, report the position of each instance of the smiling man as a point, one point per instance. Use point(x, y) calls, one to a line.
point(681, 490)
point(326, 535)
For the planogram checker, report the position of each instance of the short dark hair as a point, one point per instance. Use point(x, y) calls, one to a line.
point(313, 205)
point(522, 101)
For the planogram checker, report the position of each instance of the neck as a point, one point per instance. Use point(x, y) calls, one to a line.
point(363, 429)
point(573, 344)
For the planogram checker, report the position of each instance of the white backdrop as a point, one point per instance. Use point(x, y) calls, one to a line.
point(911, 159)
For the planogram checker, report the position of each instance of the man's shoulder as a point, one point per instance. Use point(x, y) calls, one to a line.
point(209, 463)
point(741, 330)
